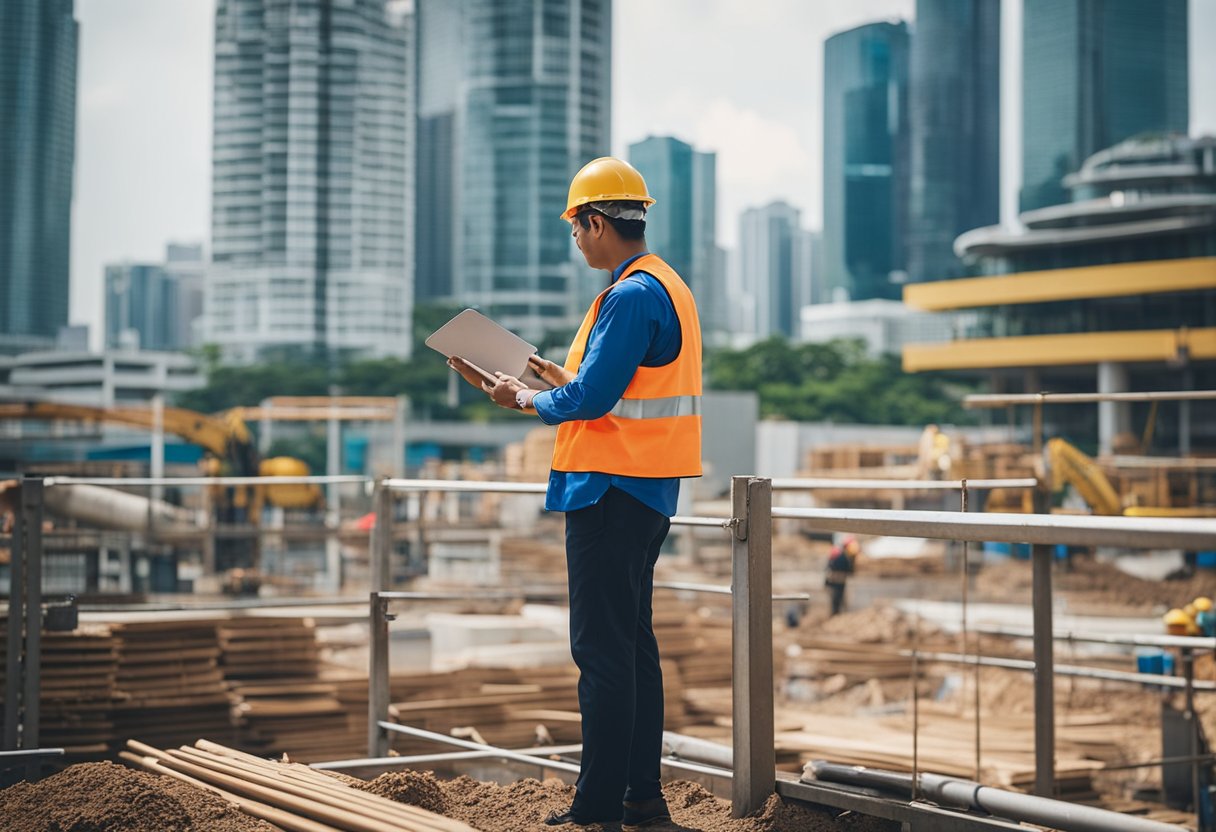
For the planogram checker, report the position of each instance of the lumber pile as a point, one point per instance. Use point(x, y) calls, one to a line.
point(288, 795)
point(102, 684)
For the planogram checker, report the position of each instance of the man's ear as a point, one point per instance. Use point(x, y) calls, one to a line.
point(597, 224)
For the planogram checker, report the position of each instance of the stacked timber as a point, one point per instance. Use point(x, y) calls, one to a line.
point(283, 706)
point(530, 459)
point(104, 683)
point(288, 795)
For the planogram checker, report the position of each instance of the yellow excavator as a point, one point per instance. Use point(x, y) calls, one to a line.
point(1071, 466)
point(225, 437)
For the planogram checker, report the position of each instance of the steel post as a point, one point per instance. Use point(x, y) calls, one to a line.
point(377, 677)
point(1044, 660)
point(31, 509)
point(14, 679)
point(752, 645)
point(381, 550)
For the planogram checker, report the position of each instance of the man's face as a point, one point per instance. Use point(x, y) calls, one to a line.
point(588, 239)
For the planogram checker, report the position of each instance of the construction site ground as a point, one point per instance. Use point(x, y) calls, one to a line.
point(844, 693)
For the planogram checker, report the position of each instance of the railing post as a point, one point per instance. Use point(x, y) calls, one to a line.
point(31, 509)
point(1044, 661)
point(754, 755)
point(14, 679)
point(377, 677)
point(381, 549)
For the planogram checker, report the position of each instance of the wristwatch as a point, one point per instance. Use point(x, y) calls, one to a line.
point(523, 399)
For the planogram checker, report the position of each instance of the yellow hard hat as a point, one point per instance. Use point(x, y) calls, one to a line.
point(1190, 610)
point(604, 180)
point(1202, 604)
point(1176, 617)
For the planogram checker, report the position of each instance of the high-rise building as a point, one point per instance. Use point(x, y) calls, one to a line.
point(440, 26)
point(155, 306)
point(312, 179)
point(771, 267)
point(865, 160)
point(1096, 72)
point(515, 97)
point(37, 153)
point(186, 266)
point(954, 104)
point(681, 226)
point(141, 306)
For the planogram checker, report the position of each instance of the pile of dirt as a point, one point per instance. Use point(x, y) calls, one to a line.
point(416, 788)
point(104, 797)
point(881, 623)
point(522, 807)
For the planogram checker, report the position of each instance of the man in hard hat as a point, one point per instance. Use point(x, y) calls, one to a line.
point(841, 563)
point(627, 403)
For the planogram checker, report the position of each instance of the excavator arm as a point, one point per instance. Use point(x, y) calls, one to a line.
point(1070, 466)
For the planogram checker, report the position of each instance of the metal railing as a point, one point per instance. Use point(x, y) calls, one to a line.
point(750, 526)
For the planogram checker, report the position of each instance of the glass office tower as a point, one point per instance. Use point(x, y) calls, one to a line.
point(954, 103)
point(865, 160)
point(1096, 72)
point(37, 153)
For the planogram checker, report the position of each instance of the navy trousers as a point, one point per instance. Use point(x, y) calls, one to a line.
point(611, 549)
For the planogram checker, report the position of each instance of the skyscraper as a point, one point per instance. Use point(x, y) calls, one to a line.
point(954, 104)
point(1096, 72)
point(865, 150)
point(514, 99)
point(155, 306)
point(681, 226)
point(312, 249)
point(770, 260)
point(37, 154)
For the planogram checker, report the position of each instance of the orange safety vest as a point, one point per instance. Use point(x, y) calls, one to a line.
point(655, 428)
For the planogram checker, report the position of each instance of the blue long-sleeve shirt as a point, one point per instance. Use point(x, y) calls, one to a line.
point(637, 326)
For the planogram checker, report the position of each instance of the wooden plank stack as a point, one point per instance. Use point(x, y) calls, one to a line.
point(290, 796)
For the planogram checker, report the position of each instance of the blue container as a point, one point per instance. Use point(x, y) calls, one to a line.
point(1205, 560)
point(1151, 660)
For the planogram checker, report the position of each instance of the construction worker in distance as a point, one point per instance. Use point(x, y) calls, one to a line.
point(841, 564)
point(627, 403)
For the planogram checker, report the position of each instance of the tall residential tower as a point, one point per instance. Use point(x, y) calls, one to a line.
point(312, 179)
point(515, 97)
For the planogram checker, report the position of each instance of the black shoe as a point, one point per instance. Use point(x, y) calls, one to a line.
point(646, 812)
point(568, 817)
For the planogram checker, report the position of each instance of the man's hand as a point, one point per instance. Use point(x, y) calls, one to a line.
point(504, 390)
point(466, 372)
point(554, 374)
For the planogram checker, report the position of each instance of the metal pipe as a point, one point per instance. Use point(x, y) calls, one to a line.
point(991, 400)
point(445, 757)
point(1132, 639)
point(487, 487)
point(967, 794)
point(477, 746)
point(827, 483)
point(697, 750)
point(192, 481)
point(1067, 670)
point(381, 549)
point(711, 589)
point(1079, 530)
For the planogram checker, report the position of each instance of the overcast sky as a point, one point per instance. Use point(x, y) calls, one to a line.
point(743, 78)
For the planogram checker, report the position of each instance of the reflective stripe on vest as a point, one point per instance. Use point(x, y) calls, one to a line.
point(657, 408)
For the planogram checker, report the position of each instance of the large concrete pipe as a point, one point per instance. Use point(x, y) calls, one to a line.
point(107, 508)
